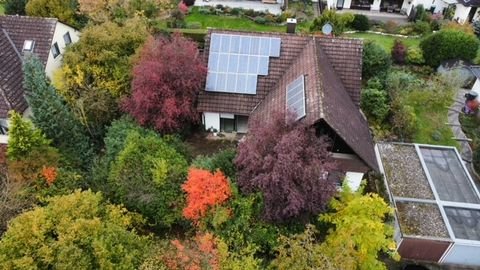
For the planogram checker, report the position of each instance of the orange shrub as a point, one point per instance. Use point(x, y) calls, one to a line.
point(204, 190)
point(50, 174)
point(192, 255)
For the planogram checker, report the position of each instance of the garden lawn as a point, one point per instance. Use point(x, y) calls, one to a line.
point(2, 9)
point(230, 22)
point(385, 41)
point(431, 115)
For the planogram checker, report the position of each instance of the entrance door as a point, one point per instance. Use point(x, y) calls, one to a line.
point(472, 12)
point(340, 4)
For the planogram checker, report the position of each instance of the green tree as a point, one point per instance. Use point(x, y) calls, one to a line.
point(54, 118)
point(349, 245)
point(96, 71)
point(65, 11)
point(374, 103)
point(76, 231)
point(302, 252)
point(146, 177)
point(337, 20)
point(376, 61)
point(448, 44)
point(15, 7)
point(23, 137)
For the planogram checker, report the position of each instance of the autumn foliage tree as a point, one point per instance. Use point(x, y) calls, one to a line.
point(204, 190)
point(288, 163)
point(166, 80)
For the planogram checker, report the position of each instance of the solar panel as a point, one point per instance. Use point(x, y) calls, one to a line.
point(296, 96)
point(235, 61)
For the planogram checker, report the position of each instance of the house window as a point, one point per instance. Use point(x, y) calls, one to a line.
point(55, 50)
point(67, 38)
point(28, 45)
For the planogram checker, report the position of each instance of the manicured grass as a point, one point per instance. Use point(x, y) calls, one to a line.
point(231, 22)
point(385, 41)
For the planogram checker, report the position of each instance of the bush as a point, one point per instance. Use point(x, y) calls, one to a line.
point(360, 22)
point(15, 7)
point(420, 13)
point(376, 61)
point(399, 52)
point(374, 103)
point(146, 177)
point(421, 28)
point(415, 56)
point(236, 11)
point(260, 20)
point(391, 27)
point(400, 81)
point(448, 44)
point(194, 25)
point(176, 20)
point(338, 21)
point(222, 161)
point(466, 28)
point(404, 120)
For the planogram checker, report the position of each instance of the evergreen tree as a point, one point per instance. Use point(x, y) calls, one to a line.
point(53, 117)
point(15, 7)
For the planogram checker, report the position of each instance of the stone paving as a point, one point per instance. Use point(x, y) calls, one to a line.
point(465, 150)
point(255, 5)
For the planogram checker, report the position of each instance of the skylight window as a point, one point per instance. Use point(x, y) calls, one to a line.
point(28, 45)
point(296, 97)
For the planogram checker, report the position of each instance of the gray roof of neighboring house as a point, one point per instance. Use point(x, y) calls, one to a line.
point(14, 30)
point(470, 3)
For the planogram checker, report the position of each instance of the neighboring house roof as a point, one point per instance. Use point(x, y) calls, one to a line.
point(470, 3)
point(332, 68)
point(14, 30)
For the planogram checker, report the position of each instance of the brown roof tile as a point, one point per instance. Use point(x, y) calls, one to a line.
point(14, 30)
point(332, 69)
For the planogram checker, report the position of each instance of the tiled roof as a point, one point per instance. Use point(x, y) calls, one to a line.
point(344, 54)
point(14, 30)
point(40, 30)
point(332, 69)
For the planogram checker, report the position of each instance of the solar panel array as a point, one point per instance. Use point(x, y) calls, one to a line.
point(296, 96)
point(235, 61)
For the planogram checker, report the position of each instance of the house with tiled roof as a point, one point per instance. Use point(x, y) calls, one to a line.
point(253, 75)
point(22, 35)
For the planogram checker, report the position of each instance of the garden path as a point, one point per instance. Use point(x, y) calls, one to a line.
point(465, 149)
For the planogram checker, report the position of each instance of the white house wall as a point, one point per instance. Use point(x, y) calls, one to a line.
point(461, 13)
point(347, 4)
point(60, 29)
point(476, 86)
point(463, 254)
point(211, 120)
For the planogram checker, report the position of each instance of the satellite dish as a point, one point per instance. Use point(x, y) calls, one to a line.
point(327, 29)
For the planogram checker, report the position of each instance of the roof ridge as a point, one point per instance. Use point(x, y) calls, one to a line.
point(295, 58)
point(30, 17)
point(317, 71)
point(11, 43)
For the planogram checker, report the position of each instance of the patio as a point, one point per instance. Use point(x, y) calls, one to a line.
point(255, 5)
point(378, 15)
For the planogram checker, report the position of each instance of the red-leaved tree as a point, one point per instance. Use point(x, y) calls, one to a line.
point(286, 161)
point(204, 190)
point(166, 80)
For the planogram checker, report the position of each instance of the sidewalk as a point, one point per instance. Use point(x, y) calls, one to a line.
point(255, 5)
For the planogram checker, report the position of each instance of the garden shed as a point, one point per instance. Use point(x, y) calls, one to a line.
point(436, 201)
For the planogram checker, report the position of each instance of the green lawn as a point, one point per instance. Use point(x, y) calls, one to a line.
point(230, 22)
point(385, 41)
point(2, 9)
